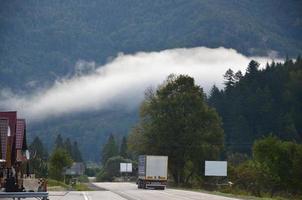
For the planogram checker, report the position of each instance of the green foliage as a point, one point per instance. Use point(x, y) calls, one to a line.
point(91, 171)
point(58, 162)
point(38, 160)
point(89, 129)
point(75, 153)
point(68, 147)
point(111, 168)
point(260, 102)
point(59, 143)
point(81, 187)
point(176, 121)
point(83, 179)
point(124, 148)
point(235, 159)
point(274, 169)
point(281, 158)
point(110, 149)
point(71, 149)
point(253, 177)
point(52, 183)
point(57, 34)
point(229, 77)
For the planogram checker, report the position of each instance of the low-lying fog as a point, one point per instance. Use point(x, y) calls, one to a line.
point(123, 80)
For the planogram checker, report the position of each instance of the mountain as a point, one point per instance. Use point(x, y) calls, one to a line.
point(42, 41)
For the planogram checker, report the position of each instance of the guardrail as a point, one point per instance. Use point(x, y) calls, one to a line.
point(23, 195)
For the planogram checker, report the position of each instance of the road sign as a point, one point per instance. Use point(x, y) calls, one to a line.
point(215, 168)
point(125, 167)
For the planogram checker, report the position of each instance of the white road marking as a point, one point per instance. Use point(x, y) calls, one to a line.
point(86, 197)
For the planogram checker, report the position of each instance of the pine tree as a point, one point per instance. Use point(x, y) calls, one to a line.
point(76, 153)
point(110, 149)
point(38, 160)
point(229, 78)
point(68, 146)
point(252, 67)
point(59, 160)
point(37, 149)
point(59, 142)
point(238, 76)
point(124, 148)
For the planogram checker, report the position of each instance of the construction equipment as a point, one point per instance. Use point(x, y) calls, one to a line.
point(14, 157)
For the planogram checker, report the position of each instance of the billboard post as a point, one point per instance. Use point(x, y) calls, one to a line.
point(125, 168)
point(216, 169)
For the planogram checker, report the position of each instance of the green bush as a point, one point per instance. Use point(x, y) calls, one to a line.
point(92, 171)
point(59, 160)
point(51, 183)
point(111, 168)
point(83, 179)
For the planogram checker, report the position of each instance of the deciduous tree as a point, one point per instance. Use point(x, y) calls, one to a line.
point(59, 161)
point(176, 121)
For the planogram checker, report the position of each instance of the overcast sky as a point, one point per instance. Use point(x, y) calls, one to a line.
point(123, 80)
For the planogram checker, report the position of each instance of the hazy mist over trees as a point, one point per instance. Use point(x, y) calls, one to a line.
point(42, 42)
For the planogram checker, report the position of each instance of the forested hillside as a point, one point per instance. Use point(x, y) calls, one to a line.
point(42, 40)
point(89, 129)
point(260, 103)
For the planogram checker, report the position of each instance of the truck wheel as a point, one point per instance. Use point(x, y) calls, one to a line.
point(139, 185)
point(162, 188)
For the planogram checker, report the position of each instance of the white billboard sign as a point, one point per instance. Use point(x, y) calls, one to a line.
point(215, 168)
point(125, 167)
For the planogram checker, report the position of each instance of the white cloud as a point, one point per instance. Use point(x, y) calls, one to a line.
point(124, 80)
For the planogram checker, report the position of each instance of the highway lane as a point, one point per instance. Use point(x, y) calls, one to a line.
point(89, 195)
point(129, 191)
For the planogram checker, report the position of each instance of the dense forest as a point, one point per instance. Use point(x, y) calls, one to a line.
point(42, 40)
point(89, 129)
point(262, 102)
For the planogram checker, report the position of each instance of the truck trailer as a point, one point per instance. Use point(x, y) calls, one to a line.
point(152, 172)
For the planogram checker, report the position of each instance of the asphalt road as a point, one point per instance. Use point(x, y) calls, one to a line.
point(129, 191)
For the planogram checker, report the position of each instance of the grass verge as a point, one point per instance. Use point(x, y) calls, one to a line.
point(54, 185)
point(239, 196)
point(82, 187)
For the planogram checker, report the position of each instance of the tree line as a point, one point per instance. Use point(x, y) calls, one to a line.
point(262, 102)
point(42, 164)
point(274, 168)
point(111, 156)
point(254, 123)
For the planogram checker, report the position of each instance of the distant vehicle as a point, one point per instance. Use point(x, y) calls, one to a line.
point(152, 172)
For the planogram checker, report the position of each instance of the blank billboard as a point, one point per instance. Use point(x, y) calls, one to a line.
point(215, 168)
point(125, 167)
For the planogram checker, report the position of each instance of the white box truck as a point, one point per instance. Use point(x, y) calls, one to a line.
point(152, 172)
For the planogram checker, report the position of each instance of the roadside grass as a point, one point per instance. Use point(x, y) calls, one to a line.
point(242, 195)
point(81, 187)
point(54, 185)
